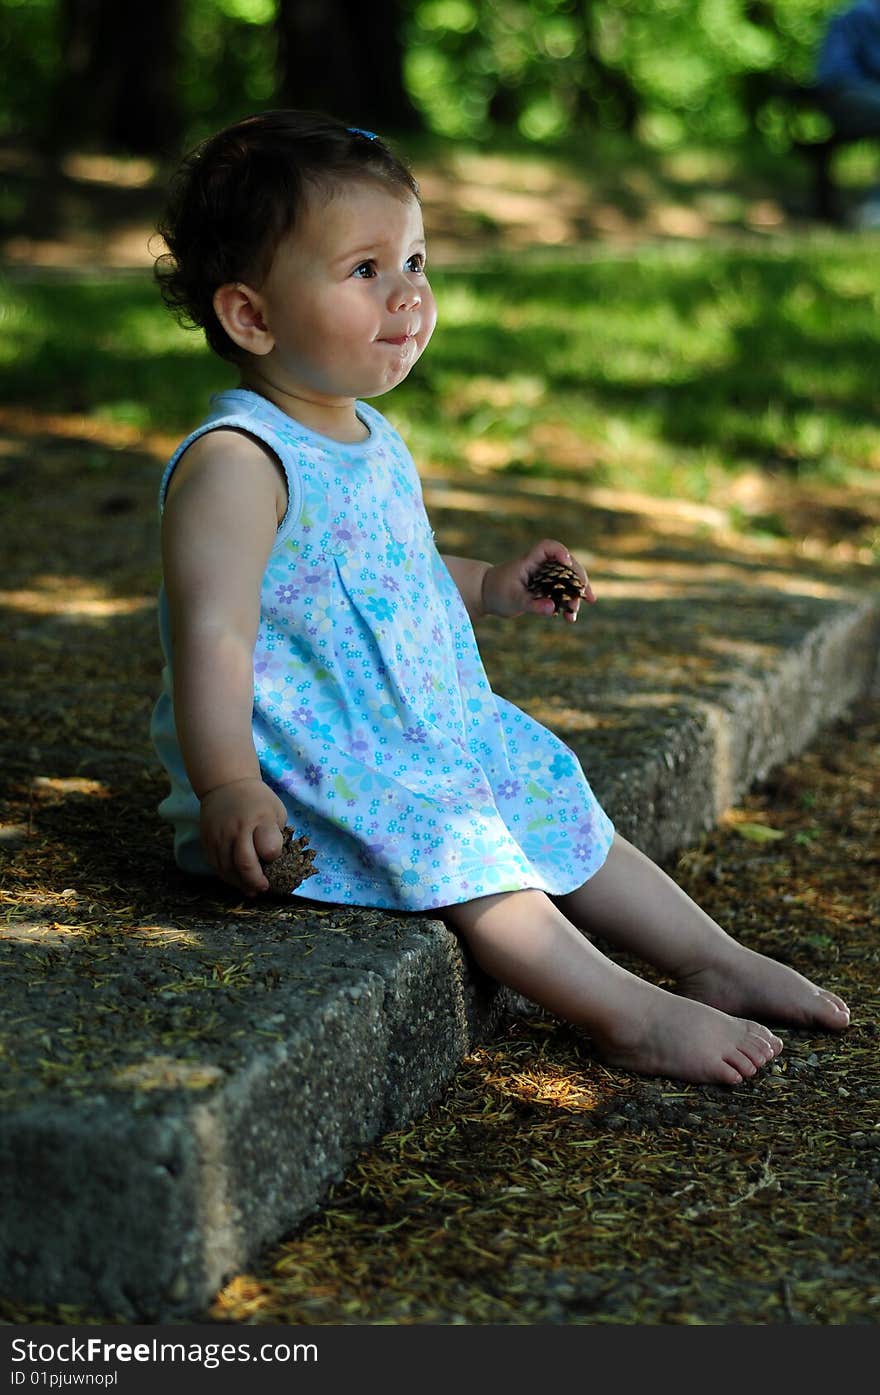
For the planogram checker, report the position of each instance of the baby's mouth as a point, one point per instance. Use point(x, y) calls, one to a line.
point(398, 340)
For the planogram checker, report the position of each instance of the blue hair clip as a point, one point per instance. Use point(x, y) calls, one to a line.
point(359, 131)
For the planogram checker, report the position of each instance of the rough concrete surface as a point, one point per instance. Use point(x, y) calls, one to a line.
point(141, 1202)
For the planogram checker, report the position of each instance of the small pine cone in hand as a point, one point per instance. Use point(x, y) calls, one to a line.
point(557, 581)
point(285, 872)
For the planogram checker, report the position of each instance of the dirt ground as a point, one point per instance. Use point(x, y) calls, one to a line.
point(93, 210)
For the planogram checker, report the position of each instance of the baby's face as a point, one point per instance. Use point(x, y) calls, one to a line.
point(347, 300)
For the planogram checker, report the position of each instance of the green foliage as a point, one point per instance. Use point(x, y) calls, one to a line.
point(668, 373)
point(29, 55)
point(697, 68)
point(525, 59)
point(702, 69)
point(227, 61)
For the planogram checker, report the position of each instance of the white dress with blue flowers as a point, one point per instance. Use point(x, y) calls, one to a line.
point(373, 717)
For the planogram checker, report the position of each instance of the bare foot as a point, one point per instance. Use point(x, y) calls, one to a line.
point(686, 1040)
point(740, 980)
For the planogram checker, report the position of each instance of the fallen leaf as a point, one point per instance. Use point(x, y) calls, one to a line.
point(757, 832)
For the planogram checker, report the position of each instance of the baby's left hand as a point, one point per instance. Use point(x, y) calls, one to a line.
point(506, 587)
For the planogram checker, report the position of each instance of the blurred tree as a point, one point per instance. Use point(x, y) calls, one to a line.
point(116, 84)
point(345, 57)
point(145, 77)
point(605, 91)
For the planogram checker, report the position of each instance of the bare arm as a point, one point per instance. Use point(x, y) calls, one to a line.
point(503, 590)
point(469, 576)
point(219, 524)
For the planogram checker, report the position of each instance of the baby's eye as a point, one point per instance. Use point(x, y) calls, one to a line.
point(416, 262)
point(365, 270)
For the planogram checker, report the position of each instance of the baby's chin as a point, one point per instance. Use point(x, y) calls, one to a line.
point(392, 379)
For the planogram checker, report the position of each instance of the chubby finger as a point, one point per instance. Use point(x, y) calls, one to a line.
point(541, 605)
point(246, 868)
point(588, 592)
point(220, 857)
point(268, 841)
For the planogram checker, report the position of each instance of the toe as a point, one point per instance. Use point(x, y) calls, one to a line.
point(744, 1061)
point(776, 1044)
point(761, 1044)
point(729, 1075)
point(833, 1010)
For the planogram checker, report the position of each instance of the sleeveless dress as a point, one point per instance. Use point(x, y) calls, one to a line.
point(373, 717)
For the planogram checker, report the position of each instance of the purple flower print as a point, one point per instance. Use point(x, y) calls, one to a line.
point(437, 634)
point(417, 735)
point(390, 583)
point(587, 829)
point(287, 593)
point(313, 775)
point(303, 714)
point(509, 789)
point(267, 666)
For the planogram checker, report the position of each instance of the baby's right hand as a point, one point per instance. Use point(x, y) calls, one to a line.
point(242, 823)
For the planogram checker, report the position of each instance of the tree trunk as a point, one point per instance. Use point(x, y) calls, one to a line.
point(117, 86)
point(345, 57)
point(603, 84)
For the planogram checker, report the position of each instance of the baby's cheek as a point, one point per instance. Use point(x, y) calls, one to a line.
point(429, 321)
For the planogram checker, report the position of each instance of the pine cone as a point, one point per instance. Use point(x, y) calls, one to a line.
point(293, 865)
point(557, 581)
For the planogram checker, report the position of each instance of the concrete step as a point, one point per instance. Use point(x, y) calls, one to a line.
point(139, 1191)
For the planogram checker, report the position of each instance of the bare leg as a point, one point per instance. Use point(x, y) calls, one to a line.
point(633, 905)
point(525, 941)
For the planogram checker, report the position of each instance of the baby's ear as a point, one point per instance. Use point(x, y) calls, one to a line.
point(239, 310)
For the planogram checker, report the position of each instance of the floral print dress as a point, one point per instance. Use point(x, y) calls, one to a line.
point(373, 717)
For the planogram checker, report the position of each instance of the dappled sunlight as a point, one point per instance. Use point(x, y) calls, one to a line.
point(72, 598)
point(659, 699)
point(16, 925)
point(551, 712)
point(165, 935)
point(525, 1072)
point(69, 784)
point(130, 172)
point(660, 578)
point(167, 1073)
point(77, 427)
point(746, 653)
point(536, 1085)
point(35, 932)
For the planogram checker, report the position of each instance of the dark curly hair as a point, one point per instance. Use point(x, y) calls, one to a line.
point(240, 192)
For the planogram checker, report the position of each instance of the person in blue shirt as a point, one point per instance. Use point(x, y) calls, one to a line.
point(848, 70)
point(848, 84)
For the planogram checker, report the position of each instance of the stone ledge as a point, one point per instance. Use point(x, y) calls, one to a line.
point(140, 1200)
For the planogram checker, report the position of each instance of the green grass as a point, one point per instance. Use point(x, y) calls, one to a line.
point(673, 369)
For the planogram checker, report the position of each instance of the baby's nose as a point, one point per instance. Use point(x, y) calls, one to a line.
point(404, 295)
